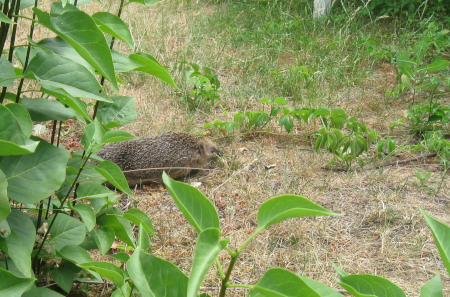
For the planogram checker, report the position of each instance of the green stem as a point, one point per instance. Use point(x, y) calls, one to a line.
point(247, 241)
point(220, 269)
point(27, 57)
point(225, 284)
point(56, 213)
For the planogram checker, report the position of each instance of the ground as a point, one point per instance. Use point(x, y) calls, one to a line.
point(380, 230)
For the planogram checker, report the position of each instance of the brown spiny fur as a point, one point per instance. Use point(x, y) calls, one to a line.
point(165, 151)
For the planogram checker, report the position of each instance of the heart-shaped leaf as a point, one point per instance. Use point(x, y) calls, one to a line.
point(66, 231)
point(432, 288)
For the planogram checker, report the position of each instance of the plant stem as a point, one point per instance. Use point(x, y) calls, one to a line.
point(4, 29)
point(247, 241)
point(27, 57)
point(224, 284)
point(220, 269)
point(56, 213)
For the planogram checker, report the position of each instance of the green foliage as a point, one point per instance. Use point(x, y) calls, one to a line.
point(79, 213)
point(201, 86)
point(344, 136)
point(408, 9)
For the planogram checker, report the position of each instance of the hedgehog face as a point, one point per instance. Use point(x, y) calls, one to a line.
point(208, 150)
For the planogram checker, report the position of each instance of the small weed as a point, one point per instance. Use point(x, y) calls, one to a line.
point(422, 176)
point(202, 86)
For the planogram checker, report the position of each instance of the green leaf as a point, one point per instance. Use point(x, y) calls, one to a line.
point(92, 139)
point(74, 254)
point(5, 209)
point(13, 286)
point(123, 63)
point(4, 19)
point(64, 275)
point(75, 103)
point(104, 238)
point(57, 72)
point(441, 235)
point(42, 110)
point(287, 123)
point(62, 48)
point(278, 282)
point(285, 207)
point(114, 175)
point(208, 247)
point(15, 129)
point(7, 73)
point(367, 285)
point(432, 288)
point(86, 214)
point(117, 135)
point(121, 112)
point(114, 26)
point(21, 240)
point(108, 270)
point(143, 239)
point(81, 32)
point(196, 208)
point(41, 292)
point(437, 65)
point(153, 276)
point(27, 3)
point(66, 231)
point(150, 66)
point(122, 257)
point(34, 177)
point(124, 291)
point(121, 226)
point(138, 217)
point(99, 195)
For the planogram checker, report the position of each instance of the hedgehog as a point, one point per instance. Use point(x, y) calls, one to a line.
point(144, 160)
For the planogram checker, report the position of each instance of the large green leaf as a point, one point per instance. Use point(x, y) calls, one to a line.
point(64, 275)
point(155, 277)
point(441, 235)
point(432, 288)
point(15, 129)
point(57, 72)
point(62, 48)
point(123, 63)
point(75, 103)
point(121, 112)
point(104, 238)
point(13, 286)
point(7, 73)
point(34, 177)
point(92, 139)
point(108, 270)
point(5, 209)
point(117, 136)
point(278, 282)
point(139, 217)
point(437, 65)
point(86, 213)
point(74, 254)
point(367, 285)
point(66, 231)
point(5, 19)
point(114, 175)
point(208, 247)
point(81, 32)
point(113, 25)
point(21, 240)
point(151, 66)
point(122, 228)
point(42, 110)
point(196, 208)
point(99, 195)
point(285, 207)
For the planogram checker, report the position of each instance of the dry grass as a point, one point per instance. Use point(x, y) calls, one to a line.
point(380, 231)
